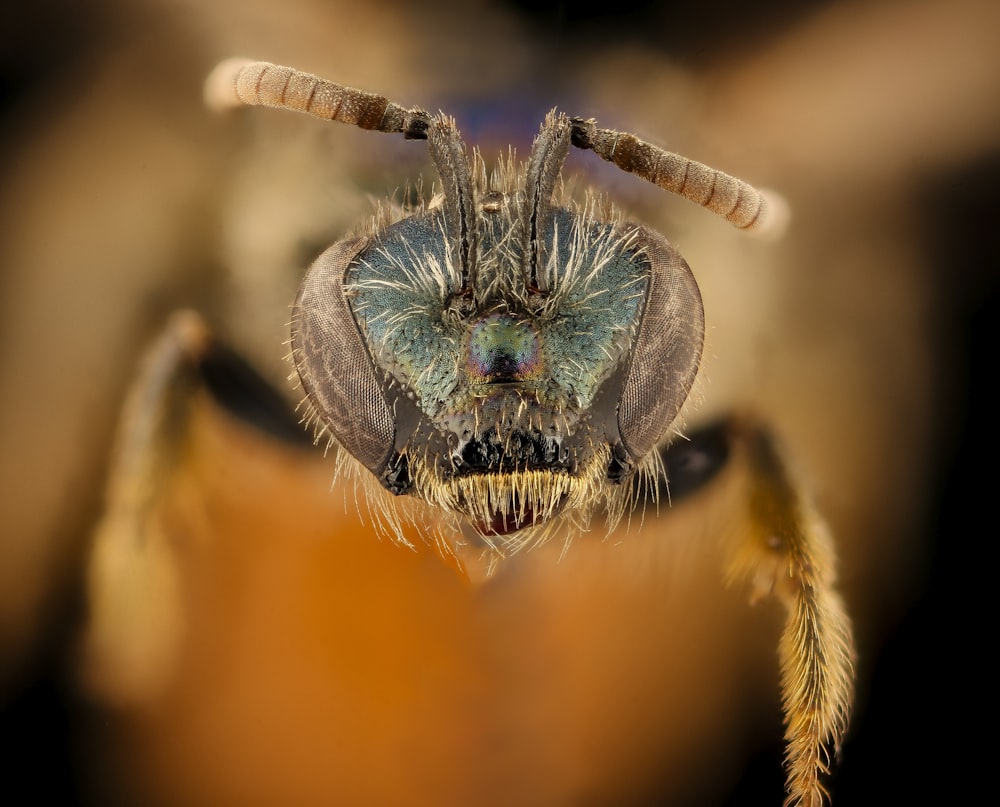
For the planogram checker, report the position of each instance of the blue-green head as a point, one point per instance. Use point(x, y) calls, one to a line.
point(503, 351)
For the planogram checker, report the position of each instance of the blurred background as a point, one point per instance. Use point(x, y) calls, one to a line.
point(864, 338)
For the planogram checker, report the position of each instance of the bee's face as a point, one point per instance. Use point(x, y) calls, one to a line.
point(500, 353)
point(508, 399)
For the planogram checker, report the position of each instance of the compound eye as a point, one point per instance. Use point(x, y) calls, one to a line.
point(667, 349)
point(334, 364)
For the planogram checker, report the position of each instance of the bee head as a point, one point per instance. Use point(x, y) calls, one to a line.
point(499, 351)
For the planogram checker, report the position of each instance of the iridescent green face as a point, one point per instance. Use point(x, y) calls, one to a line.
point(502, 355)
point(508, 387)
point(508, 405)
point(508, 346)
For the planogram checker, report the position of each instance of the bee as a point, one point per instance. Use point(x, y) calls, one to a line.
point(513, 358)
point(501, 363)
point(501, 353)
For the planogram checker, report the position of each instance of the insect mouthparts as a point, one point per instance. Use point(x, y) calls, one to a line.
point(503, 524)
